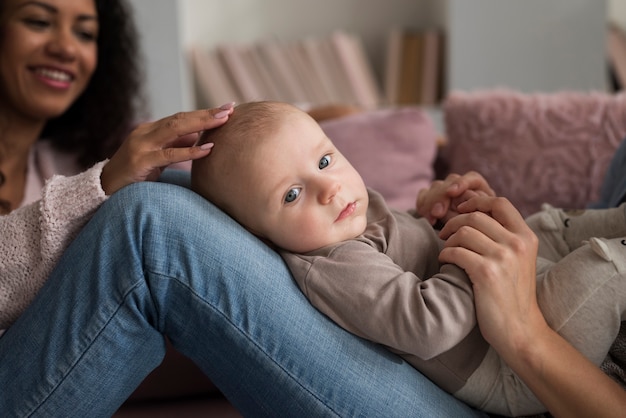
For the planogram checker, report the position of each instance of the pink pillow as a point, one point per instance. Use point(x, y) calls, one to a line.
point(536, 148)
point(393, 149)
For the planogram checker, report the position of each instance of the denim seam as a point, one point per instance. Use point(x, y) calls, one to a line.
point(249, 338)
point(123, 300)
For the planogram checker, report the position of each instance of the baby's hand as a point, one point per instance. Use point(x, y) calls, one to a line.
point(440, 201)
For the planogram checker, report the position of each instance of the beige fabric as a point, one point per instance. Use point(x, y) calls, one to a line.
point(387, 286)
point(35, 235)
point(384, 286)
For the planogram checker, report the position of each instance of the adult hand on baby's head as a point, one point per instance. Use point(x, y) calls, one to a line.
point(154, 145)
point(440, 201)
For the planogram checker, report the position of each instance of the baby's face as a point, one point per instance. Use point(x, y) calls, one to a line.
point(299, 192)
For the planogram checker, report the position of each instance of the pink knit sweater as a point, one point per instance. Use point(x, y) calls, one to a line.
point(35, 235)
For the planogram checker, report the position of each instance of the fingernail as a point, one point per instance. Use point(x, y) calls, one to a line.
point(221, 114)
point(206, 146)
point(227, 106)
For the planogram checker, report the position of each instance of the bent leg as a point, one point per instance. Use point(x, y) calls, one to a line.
point(562, 231)
point(158, 259)
point(583, 297)
point(87, 340)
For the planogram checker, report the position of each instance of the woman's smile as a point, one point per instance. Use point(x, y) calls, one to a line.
point(54, 77)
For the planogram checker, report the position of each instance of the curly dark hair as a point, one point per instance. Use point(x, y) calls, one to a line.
point(96, 124)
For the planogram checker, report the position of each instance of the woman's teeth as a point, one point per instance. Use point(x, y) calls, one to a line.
point(53, 74)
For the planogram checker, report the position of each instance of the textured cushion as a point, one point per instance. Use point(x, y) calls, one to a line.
point(535, 148)
point(393, 149)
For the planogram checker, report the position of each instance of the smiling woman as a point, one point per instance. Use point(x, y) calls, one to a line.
point(58, 115)
point(58, 58)
point(51, 58)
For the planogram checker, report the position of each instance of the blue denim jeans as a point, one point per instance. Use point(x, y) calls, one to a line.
point(158, 260)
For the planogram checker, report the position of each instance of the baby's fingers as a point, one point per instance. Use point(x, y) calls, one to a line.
point(471, 180)
point(500, 208)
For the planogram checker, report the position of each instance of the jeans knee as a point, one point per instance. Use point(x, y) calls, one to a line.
point(154, 199)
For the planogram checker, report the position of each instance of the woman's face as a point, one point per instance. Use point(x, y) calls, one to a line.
point(48, 53)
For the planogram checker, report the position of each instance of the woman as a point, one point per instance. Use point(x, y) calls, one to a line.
point(42, 84)
point(155, 259)
point(51, 82)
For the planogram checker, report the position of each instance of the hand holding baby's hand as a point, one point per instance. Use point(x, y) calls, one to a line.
point(440, 201)
point(497, 249)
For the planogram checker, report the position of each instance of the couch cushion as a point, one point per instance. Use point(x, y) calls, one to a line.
point(535, 148)
point(393, 149)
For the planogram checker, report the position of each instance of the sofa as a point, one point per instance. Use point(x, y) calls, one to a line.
point(532, 148)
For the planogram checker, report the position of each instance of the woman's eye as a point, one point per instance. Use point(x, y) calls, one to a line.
point(37, 23)
point(324, 162)
point(87, 35)
point(292, 195)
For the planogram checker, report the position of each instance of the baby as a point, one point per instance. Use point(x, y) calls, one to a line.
point(375, 271)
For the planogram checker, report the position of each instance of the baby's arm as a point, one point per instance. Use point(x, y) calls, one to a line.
point(440, 201)
point(376, 299)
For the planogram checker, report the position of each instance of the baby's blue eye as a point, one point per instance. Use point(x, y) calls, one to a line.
point(324, 162)
point(292, 195)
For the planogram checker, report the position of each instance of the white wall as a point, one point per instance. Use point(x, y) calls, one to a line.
point(529, 45)
point(167, 78)
point(617, 12)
